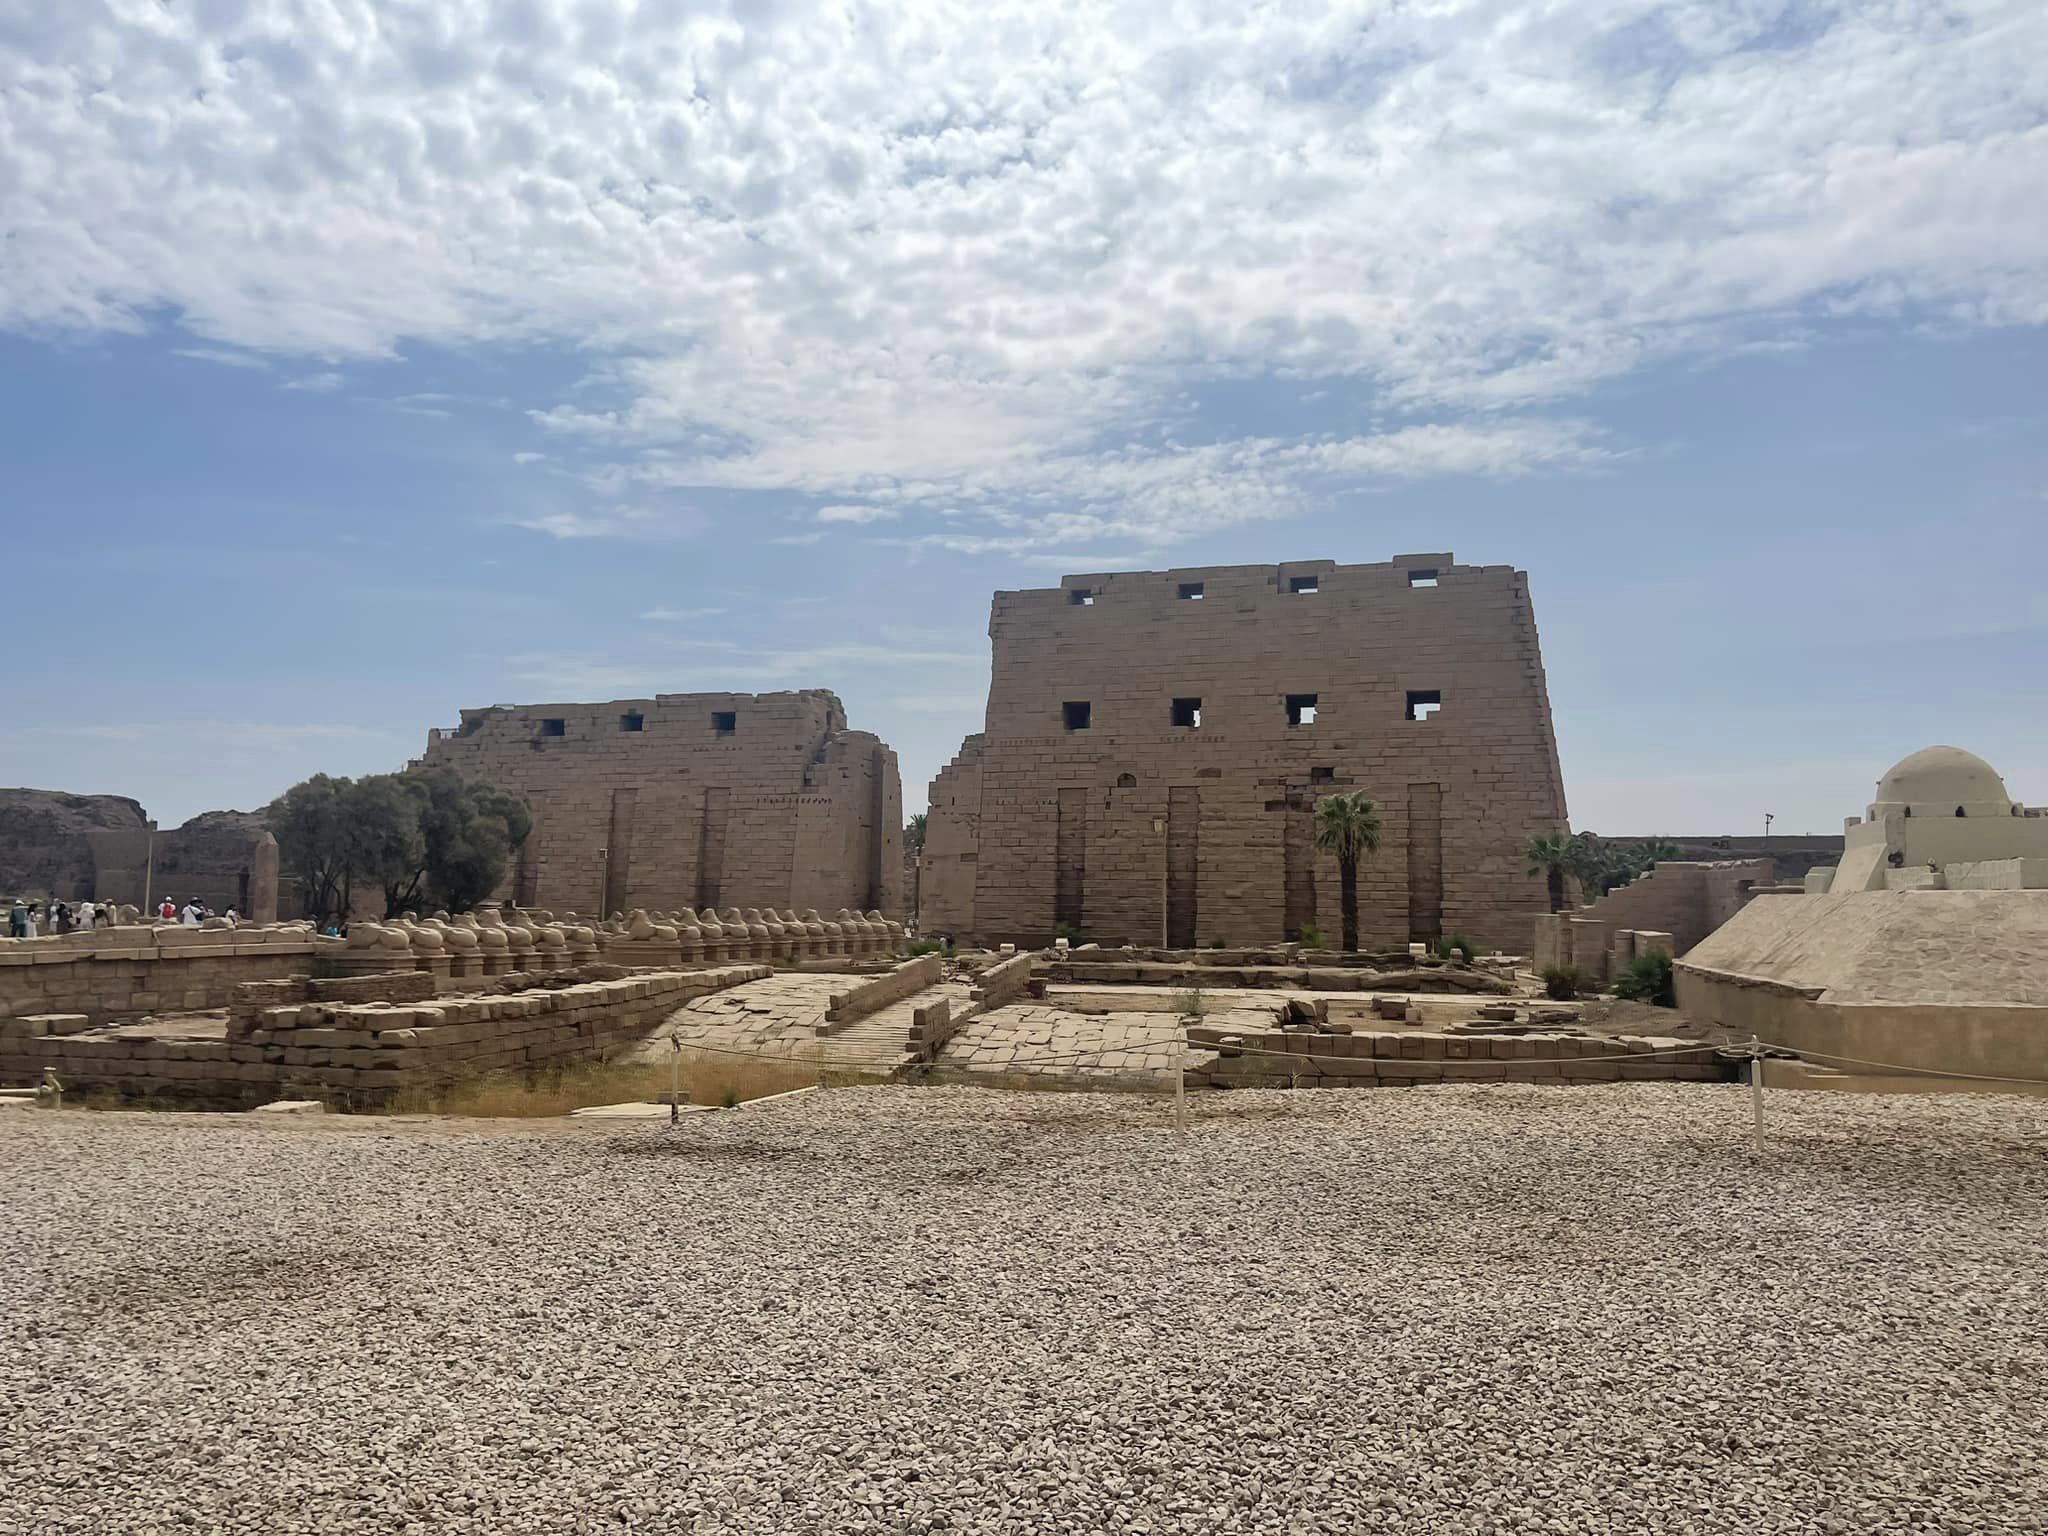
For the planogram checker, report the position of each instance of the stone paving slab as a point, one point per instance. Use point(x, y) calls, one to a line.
point(1041, 1042)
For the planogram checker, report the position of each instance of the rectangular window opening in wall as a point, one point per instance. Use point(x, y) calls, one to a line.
point(1190, 590)
point(725, 722)
point(1422, 578)
point(1301, 709)
point(1303, 585)
point(632, 720)
point(554, 727)
point(1081, 597)
point(1075, 714)
point(1187, 714)
point(1423, 703)
point(1321, 775)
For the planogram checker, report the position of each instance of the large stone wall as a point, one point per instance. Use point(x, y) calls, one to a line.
point(1137, 828)
point(692, 800)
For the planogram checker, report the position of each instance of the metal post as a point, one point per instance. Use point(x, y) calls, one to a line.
point(604, 884)
point(149, 876)
point(1756, 1091)
point(675, 1080)
point(1180, 1083)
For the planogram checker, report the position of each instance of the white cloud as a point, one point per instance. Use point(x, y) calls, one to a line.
point(529, 458)
point(964, 265)
point(316, 383)
point(650, 525)
point(681, 615)
point(857, 514)
point(223, 357)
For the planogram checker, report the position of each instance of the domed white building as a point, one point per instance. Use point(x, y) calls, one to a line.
point(1926, 949)
point(1941, 817)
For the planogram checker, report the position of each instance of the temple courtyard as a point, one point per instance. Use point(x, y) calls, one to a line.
point(1469, 1308)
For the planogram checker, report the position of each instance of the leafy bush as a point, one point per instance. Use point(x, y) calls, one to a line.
point(1313, 937)
point(1648, 980)
point(1218, 944)
point(1068, 932)
point(1457, 946)
point(939, 947)
point(1561, 982)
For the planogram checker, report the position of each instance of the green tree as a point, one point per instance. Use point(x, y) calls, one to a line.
point(467, 834)
point(913, 834)
point(417, 838)
point(1550, 855)
point(336, 834)
point(1652, 851)
point(1348, 826)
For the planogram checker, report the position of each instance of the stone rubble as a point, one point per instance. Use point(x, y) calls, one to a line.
point(1462, 1310)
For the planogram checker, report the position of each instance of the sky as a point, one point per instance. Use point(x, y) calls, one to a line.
point(361, 362)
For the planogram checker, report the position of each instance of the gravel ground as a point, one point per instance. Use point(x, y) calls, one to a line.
point(1449, 1310)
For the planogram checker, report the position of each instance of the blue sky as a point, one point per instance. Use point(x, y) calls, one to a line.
point(361, 363)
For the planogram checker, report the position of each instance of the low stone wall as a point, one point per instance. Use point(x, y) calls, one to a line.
point(1315, 1060)
point(931, 1027)
point(358, 1054)
point(125, 972)
point(1083, 970)
point(864, 998)
point(1004, 983)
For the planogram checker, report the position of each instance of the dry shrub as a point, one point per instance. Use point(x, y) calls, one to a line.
point(556, 1090)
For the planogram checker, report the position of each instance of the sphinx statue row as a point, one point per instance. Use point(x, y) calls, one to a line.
point(490, 942)
point(758, 934)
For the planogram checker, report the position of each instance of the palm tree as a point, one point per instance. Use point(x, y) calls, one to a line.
point(1652, 851)
point(1551, 855)
point(1349, 827)
point(913, 834)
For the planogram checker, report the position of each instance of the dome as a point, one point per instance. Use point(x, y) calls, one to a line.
point(1941, 781)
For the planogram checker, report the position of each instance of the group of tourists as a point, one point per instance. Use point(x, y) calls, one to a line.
point(193, 913)
point(29, 917)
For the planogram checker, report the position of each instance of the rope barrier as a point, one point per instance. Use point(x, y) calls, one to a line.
point(1802, 1054)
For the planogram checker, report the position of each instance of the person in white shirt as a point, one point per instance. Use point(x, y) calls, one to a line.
point(190, 916)
point(234, 918)
point(85, 914)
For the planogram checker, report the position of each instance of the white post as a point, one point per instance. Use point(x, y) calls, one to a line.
point(1180, 1082)
point(1756, 1091)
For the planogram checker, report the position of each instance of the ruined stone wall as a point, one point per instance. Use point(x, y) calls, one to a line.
point(123, 972)
point(357, 1054)
point(1427, 690)
point(692, 800)
point(1687, 901)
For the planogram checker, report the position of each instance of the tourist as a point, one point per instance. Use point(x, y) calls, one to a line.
point(168, 911)
point(87, 915)
point(17, 919)
point(60, 917)
point(234, 918)
point(189, 916)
